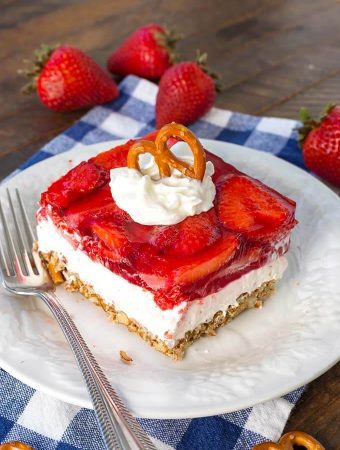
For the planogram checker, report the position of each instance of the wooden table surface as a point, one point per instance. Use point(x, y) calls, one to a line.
point(274, 56)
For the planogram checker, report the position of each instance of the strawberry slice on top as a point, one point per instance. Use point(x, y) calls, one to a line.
point(247, 206)
point(190, 236)
point(117, 156)
point(78, 182)
point(97, 205)
point(113, 235)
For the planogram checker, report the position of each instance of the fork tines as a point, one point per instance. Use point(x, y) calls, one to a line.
point(17, 239)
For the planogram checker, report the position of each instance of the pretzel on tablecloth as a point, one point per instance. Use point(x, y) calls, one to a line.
point(288, 441)
point(15, 446)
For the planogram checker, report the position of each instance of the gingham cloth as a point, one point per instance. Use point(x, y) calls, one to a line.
point(49, 424)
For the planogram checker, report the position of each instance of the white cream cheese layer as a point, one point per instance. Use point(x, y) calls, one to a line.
point(169, 325)
point(152, 200)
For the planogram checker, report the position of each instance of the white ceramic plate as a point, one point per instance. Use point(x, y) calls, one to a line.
point(260, 355)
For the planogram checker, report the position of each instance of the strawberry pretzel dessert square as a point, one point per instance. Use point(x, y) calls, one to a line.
point(172, 244)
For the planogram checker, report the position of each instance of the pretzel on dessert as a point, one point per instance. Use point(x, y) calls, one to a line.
point(288, 441)
point(164, 157)
point(146, 147)
point(15, 446)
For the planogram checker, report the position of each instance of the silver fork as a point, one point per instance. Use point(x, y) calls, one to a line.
point(22, 273)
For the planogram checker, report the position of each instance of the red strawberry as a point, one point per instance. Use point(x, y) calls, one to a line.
point(320, 142)
point(118, 231)
point(172, 141)
point(190, 236)
point(97, 205)
point(113, 235)
point(66, 79)
point(218, 255)
point(113, 158)
point(158, 270)
point(190, 268)
point(150, 136)
point(79, 181)
point(138, 232)
point(186, 92)
point(117, 156)
point(247, 206)
point(148, 53)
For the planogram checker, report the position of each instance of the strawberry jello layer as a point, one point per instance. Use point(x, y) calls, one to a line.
point(168, 278)
point(176, 263)
point(169, 325)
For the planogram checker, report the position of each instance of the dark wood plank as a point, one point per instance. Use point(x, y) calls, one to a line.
point(14, 12)
point(314, 97)
point(31, 135)
point(284, 81)
point(318, 412)
point(274, 56)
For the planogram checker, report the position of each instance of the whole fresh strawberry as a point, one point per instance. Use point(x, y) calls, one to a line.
point(186, 92)
point(66, 79)
point(148, 53)
point(320, 142)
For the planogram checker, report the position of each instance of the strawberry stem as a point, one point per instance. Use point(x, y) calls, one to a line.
point(327, 109)
point(308, 123)
point(169, 40)
point(202, 60)
point(305, 115)
point(41, 56)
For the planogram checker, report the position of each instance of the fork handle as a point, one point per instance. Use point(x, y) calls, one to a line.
point(120, 430)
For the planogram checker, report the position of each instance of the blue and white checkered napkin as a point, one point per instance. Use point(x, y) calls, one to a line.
point(49, 424)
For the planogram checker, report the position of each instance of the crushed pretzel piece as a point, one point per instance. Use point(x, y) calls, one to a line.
point(211, 332)
point(258, 304)
point(125, 357)
point(56, 276)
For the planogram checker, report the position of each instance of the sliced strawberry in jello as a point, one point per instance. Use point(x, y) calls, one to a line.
point(139, 233)
point(158, 273)
point(97, 205)
point(204, 264)
point(113, 158)
point(246, 206)
point(121, 235)
point(113, 235)
point(117, 156)
point(78, 182)
point(190, 236)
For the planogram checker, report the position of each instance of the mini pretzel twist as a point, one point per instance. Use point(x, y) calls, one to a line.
point(163, 156)
point(15, 446)
point(288, 441)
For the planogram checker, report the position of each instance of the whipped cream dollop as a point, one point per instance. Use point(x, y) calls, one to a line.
point(154, 200)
